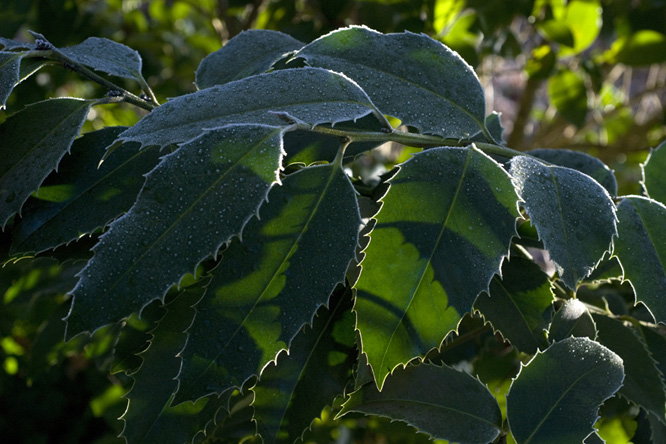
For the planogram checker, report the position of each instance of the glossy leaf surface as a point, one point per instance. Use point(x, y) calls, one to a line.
point(297, 386)
point(565, 384)
point(249, 53)
point(439, 401)
point(194, 201)
point(267, 287)
point(10, 63)
point(643, 382)
point(80, 197)
point(409, 76)
point(654, 180)
point(32, 142)
point(107, 56)
point(641, 249)
point(443, 229)
point(311, 95)
point(518, 304)
point(573, 214)
point(572, 319)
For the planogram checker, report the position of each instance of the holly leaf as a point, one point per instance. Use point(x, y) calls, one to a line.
point(572, 319)
point(573, 214)
point(409, 76)
point(32, 142)
point(564, 384)
point(654, 183)
point(291, 391)
point(10, 64)
point(518, 303)
point(267, 287)
point(441, 234)
point(322, 97)
point(249, 53)
point(107, 56)
point(439, 401)
point(177, 222)
point(641, 249)
point(81, 197)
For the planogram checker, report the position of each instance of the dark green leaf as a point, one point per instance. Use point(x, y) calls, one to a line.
point(155, 382)
point(643, 383)
point(572, 319)
point(582, 162)
point(440, 401)
point(9, 44)
point(573, 214)
point(107, 56)
point(594, 438)
point(655, 340)
point(10, 63)
point(556, 396)
point(643, 47)
point(296, 387)
point(518, 303)
point(568, 94)
point(81, 197)
point(32, 142)
point(443, 229)
point(654, 179)
point(409, 76)
point(177, 221)
point(267, 287)
point(641, 250)
point(322, 97)
point(558, 32)
point(249, 53)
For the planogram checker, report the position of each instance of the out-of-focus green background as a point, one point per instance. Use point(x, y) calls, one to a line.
point(587, 75)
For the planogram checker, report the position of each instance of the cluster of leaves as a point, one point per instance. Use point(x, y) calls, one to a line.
point(246, 281)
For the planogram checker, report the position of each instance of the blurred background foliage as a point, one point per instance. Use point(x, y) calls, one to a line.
point(587, 75)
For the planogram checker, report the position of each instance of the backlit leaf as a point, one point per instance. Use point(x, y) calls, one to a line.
point(440, 401)
point(107, 56)
point(573, 214)
point(81, 197)
point(556, 396)
point(654, 180)
point(572, 319)
point(582, 162)
point(297, 386)
point(641, 250)
point(249, 53)
point(155, 382)
point(443, 229)
point(409, 76)
point(194, 201)
point(32, 142)
point(568, 93)
point(267, 287)
point(311, 95)
point(518, 304)
point(10, 63)
point(643, 382)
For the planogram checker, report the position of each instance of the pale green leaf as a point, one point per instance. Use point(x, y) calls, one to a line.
point(582, 162)
point(640, 48)
point(10, 63)
point(519, 304)
point(107, 56)
point(267, 287)
point(568, 93)
point(643, 383)
point(654, 179)
point(572, 319)
point(311, 95)
point(80, 197)
point(443, 229)
point(193, 202)
point(641, 249)
point(297, 386)
point(32, 142)
point(155, 382)
point(556, 396)
point(440, 401)
point(573, 214)
point(249, 53)
point(409, 76)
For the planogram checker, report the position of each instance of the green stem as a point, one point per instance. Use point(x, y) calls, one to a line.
point(410, 139)
point(126, 96)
